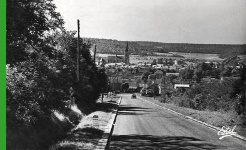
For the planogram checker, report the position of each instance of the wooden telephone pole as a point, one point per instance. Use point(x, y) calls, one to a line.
point(95, 51)
point(78, 58)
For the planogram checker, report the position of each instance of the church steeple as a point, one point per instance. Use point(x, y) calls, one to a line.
point(127, 54)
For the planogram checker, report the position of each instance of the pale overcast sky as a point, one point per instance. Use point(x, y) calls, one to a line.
point(169, 21)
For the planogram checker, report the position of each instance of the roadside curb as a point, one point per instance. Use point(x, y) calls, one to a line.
point(103, 143)
point(195, 120)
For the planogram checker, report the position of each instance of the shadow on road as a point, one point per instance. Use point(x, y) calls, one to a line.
point(126, 110)
point(105, 107)
point(159, 142)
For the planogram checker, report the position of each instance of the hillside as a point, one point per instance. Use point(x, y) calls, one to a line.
point(142, 47)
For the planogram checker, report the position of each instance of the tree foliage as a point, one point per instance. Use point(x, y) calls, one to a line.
point(154, 62)
point(145, 76)
point(186, 73)
point(152, 77)
point(28, 24)
point(41, 58)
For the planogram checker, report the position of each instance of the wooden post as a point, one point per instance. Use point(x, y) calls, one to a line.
point(154, 89)
point(102, 96)
point(78, 58)
point(95, 54)
point(113, 82)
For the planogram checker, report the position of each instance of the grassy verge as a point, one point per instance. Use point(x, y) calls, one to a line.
point(88, 132)
point(214, 118)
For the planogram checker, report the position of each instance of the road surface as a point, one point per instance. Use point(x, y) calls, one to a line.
point(141, 125)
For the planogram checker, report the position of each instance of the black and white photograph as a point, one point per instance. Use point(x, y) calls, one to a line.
point(125, 74)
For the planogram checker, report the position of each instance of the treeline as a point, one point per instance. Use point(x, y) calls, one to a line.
point(41, 68)
point(138, 47)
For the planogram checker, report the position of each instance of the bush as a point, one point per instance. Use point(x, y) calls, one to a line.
point(29, 101)
point(46, 132)
point(211, 95)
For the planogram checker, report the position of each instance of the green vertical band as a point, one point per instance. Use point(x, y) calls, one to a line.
point(3, 75)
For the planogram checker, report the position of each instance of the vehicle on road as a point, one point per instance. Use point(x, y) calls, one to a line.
point(134, 96)
point(117, 92)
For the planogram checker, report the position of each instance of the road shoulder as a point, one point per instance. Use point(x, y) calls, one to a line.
point(91, 132)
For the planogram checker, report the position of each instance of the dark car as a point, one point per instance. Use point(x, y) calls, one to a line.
point(117, 92)
point(134, 95)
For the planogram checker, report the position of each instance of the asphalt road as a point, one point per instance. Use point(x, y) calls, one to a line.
point(141, 125)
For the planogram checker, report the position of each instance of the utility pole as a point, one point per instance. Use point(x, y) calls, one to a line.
point(102, 95)
point(126, 54)
point(78, 58)
point(154, 89)
point(95, 51)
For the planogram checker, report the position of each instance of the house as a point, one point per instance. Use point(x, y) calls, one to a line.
point(175, 74)
point(115, 59)
point(110, 65)
point(160, 65)
point(100, 61)
point(115, 79)
point(181, 86)
point(179, 62)
point(153, 89)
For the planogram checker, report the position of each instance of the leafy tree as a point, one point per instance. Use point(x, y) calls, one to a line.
point(239, 90)
point(215, 73)
point(125, 86)
point(213, 95)
point(201, 71)
point(102, 79)
point(152, 70)
point(32, 83)
point(170, 62)
point(171, 78)
point(226, 72)
point(27, 28)
point(134, 71)
point(165, 62)
point(154, 62)
point(152, 77)
point(159, 74)
point(187, 73)
point(160, 60)
point(206, 66)
point(145, 76)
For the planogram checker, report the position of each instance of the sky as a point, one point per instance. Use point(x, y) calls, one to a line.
point(168, 21)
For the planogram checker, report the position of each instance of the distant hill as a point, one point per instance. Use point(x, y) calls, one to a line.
point(144, 47)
